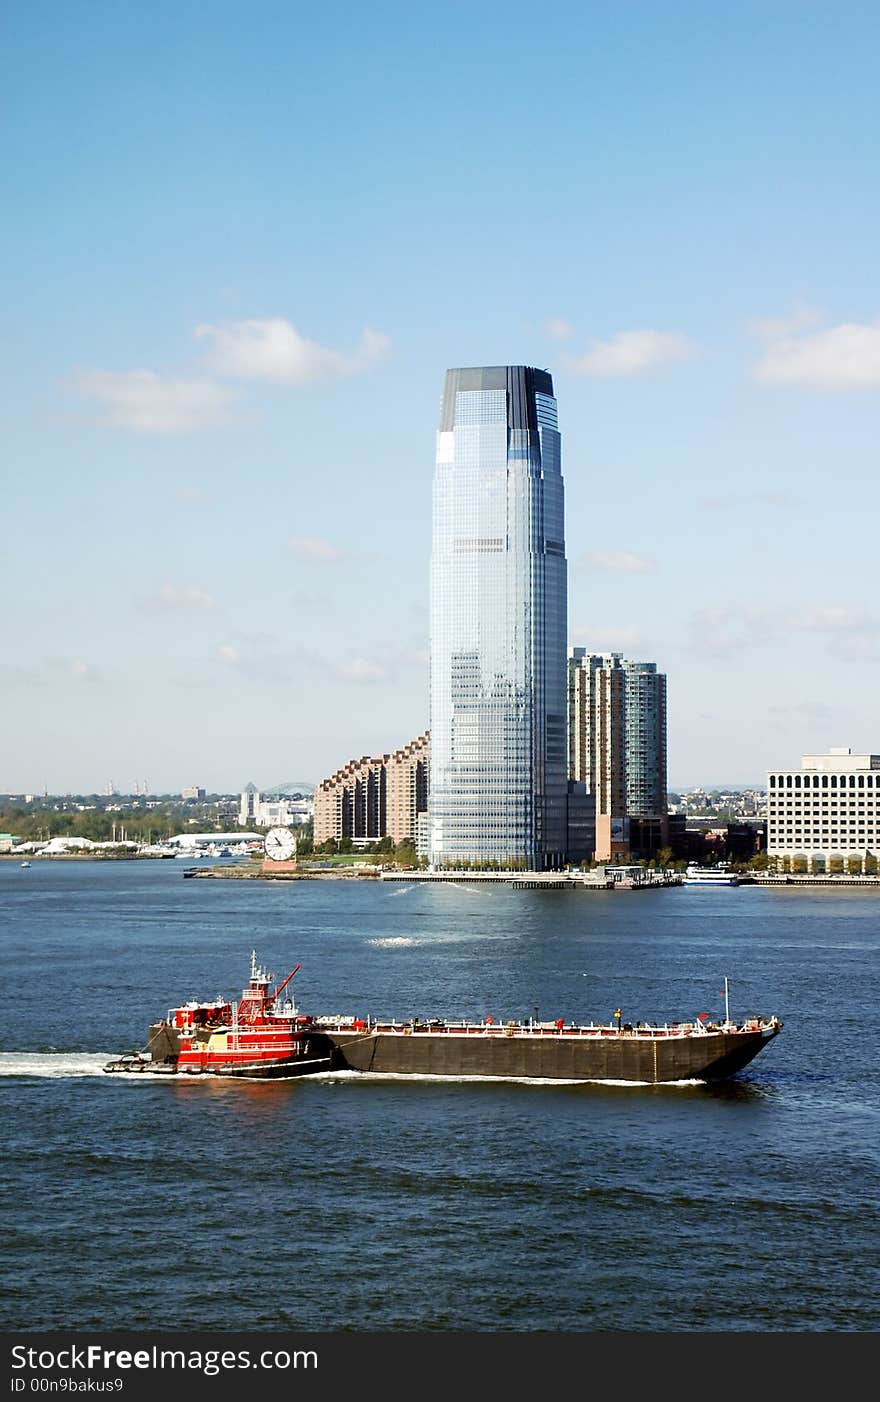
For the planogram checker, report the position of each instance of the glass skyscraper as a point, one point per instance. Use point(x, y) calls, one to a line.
point(498, 623)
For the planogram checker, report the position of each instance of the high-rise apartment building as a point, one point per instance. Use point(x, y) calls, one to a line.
point(407, 789)
point(617, 747)
point(374, 797)
point(597, 742)
point(646, 794)
point(498, 623)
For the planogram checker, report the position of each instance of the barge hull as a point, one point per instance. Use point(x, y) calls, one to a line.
point(650, 1061)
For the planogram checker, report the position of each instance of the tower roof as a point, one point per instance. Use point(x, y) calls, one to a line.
point(522, 383)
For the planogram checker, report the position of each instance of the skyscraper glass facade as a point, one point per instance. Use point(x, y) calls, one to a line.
point(498, 623)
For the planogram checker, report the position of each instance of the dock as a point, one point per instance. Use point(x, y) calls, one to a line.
point(647, 880)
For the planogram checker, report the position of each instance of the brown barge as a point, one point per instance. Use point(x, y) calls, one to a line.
point(646, 1055)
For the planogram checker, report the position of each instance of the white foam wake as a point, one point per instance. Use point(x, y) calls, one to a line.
point(393, 942)
point(53, 1064)
point(376, 1077)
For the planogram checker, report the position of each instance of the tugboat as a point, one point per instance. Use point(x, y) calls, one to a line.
point(259, 1036)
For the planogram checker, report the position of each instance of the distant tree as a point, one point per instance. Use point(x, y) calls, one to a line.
point(870, 864)
point(835, 865)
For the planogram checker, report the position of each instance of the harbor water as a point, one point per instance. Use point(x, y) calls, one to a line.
point(371, 1203)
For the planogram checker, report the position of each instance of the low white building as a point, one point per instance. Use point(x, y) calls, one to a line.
point(828, 809)
point(191, 841)
point(273, 812)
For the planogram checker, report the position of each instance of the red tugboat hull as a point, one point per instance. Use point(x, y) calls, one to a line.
point(258, 1037)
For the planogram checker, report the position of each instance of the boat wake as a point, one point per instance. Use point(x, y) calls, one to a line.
point(72, 1065)
point(380, 1077)
point(53, 1065)
point(394, 942)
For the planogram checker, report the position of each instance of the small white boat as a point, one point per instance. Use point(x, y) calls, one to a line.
point(709, 876)
point(25, 864)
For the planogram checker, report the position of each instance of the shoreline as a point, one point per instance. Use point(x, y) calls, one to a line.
point(246, 871)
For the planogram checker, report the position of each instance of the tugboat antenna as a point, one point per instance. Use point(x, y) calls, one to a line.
point(726, 1002)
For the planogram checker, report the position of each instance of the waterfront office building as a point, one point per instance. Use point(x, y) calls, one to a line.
point(827, 810)
point(617, 748)
point(498, 789)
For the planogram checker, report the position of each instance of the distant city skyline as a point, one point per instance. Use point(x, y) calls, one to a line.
point(237, 260)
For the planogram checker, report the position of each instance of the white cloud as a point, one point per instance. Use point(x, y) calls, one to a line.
point(558, 329)
point(313, 548)
point(829, 620)
point(620, 562)
point(228, 653)
point(51, 671)
point(720, 632)
point(145, 402)
point(631, 352)
point(273, 349)
point(605, 639)
point(840, 357)
point(850, 635)
point(361, 669)
point(773, 328)
point(175, 596)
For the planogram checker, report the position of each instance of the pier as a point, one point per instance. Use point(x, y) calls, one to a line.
point(642, 880)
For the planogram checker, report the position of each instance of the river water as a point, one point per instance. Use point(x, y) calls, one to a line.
point(379, 1204)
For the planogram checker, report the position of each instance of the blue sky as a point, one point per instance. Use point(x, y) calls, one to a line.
point(241, 247)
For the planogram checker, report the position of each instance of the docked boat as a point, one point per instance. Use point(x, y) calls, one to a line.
point(259, 1035)
point(262, 1036)
point(709, 876)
